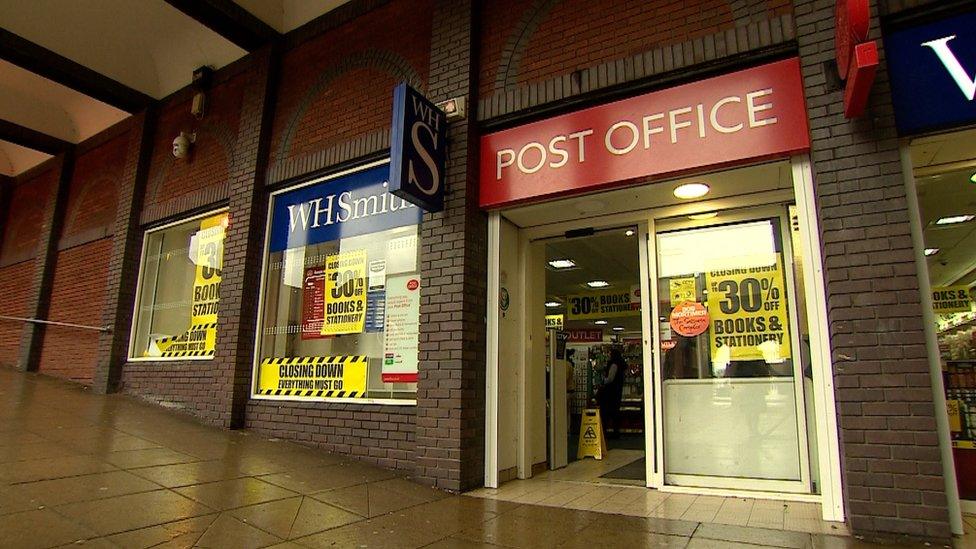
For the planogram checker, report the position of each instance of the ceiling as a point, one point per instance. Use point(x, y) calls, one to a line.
point(943, 166)
point(149, 47)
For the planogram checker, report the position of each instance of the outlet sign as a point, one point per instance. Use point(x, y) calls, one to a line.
point(725, 120)
point(933, 74)
point(417, 154)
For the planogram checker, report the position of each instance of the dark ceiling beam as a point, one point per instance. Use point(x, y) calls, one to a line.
point(32, 139)
point(50, 65)
point(229, 20)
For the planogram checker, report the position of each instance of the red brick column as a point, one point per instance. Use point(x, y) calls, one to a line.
point(243, 244)
point(123, 268)
point(6, 190)
point(451, 386)
point(39, 297)
point(890, 455)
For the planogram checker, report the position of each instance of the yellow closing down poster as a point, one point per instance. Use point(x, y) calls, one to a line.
point(314, 376)
point(345, 293)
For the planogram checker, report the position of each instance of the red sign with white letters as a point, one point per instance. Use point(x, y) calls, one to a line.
point(755, 113)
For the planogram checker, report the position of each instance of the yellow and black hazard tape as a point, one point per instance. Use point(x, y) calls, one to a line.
point(303, 360)
point(311, 393)
point(185, 354)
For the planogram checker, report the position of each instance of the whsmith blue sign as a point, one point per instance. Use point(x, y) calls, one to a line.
point(417, 144)
point(933, 74)
point(351, 205)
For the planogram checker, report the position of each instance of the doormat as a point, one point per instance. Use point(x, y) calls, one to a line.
point(632, 471)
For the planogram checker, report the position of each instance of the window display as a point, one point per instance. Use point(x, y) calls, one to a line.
point(179, 291)
point(340, 312)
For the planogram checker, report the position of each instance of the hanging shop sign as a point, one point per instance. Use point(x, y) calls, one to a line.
point(345, 293)
point(554, 322)
point(200, 339)
point(857, 57)
point(401, 350)
point(931, 69)
point(354, 204)
point(951, 299)
point(758, 112)
point(417, 149)
point(314, 376)
point(602, 304)
point(748, 312)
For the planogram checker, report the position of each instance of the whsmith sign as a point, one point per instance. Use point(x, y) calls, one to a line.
point(933, 74)
point(417, 146)
point(349, 205)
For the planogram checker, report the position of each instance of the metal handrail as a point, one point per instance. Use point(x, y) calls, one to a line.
point(55, 323)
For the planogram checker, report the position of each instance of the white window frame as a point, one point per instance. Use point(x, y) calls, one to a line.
point(256, 363)
point(139, 282)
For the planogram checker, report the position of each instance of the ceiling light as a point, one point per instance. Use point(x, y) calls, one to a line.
point(931, 251)
point(701, 216)
point(953, 219)
point(562, 263)
point(629, 232)
point(553, 304)
point(691, 190)
point(618, 328)
point(598, 284)
point(972, 178)
point(600, 322)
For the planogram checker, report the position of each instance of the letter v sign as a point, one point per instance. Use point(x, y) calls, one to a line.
point(941, 48)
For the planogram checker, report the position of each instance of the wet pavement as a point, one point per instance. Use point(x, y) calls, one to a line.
point(85, 470)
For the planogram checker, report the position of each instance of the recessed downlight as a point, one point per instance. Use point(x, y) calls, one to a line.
point(701, 216)
point(972, 178)
point(553, 304)
point(618, 328)
point(629, 232)
point(560, 264)
point(598, 284)
point(688, 191)
point(931, 251)
point(600, 322)
point(953, 219)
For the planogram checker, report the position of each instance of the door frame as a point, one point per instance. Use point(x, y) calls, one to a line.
point(802, 195)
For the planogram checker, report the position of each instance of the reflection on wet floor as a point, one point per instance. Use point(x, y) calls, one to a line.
point(85, 470)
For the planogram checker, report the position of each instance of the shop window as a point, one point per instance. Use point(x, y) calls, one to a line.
point(340, 306)
point(179, 290)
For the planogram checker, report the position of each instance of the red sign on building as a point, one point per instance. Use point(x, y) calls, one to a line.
point(720, 121)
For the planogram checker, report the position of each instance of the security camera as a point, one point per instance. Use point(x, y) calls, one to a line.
point(181, 144)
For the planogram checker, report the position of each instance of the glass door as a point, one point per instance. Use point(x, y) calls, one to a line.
point(730, 381)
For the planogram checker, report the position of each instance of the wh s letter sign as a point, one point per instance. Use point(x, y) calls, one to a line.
point(933, 74)
point(417, 149)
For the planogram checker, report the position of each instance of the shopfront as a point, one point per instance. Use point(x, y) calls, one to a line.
point(673, 234)
point(932, 92)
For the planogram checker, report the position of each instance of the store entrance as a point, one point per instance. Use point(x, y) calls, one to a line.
point(594, 358)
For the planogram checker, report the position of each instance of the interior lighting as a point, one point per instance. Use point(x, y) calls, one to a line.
point(688, 191)
point(600, 322)
point(618, 328)
point(553, 304)
point(598, 284)
point(629, 232)
point(931, 251)
point(953, 219)
point(972, 178)
point(701, 216)
point(562, 264)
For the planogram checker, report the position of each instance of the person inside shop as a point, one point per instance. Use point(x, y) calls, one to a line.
point(679, 361)
point(612, 392)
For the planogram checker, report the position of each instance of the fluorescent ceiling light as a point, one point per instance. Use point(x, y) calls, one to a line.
point(691, 190)
point(629, 232)
point(931, 251)
point(600, 322)
point(618, 328)
point(562, 263)
point(953, 219)
point(598, 284)
point(553, 304)
point(706, 215)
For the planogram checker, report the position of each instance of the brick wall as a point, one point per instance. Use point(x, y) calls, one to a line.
point(527, 41)
point(890, 456)
point(337, 86)
point(14, 284)
point(79, 287)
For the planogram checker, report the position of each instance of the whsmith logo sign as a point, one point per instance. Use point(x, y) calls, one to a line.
point(933, 74)
point(417, 146)
point(354, 204)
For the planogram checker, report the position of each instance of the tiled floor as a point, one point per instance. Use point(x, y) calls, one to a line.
point(580, 486)
point(84, 470)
